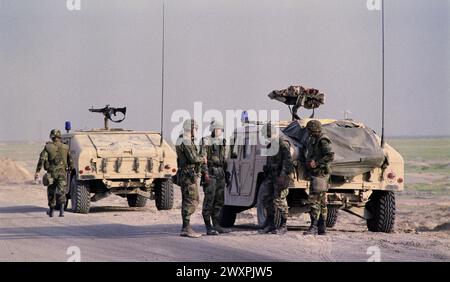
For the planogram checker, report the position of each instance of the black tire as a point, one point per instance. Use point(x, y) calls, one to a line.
point(80, 197)
point(164, 194)
point(228, 216)
point(262, 213)
point(332, 216)
point(136, 201)
point(381, 206)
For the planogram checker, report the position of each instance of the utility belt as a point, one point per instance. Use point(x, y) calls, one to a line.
point(189, 167)
point(216, 171)
point(190, 170)
point(210, 164)
point(56, 171)
point(57, 162)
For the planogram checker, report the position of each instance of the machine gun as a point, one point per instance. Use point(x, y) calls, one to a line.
point(108, 112)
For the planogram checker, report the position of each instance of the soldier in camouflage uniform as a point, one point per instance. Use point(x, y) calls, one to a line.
point(56, 160)
point(318, 156)
point(213, 147)
point(190, 163)
point(278, 170)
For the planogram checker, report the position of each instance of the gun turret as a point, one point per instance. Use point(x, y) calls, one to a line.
point(108, 112)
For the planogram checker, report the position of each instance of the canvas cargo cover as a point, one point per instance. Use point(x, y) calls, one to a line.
point(357, 149)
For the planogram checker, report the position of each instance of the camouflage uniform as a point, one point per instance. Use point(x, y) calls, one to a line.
point(189, 165)
point(277, 171)
point(214, 149)
point(318, 149)
point(55, 159)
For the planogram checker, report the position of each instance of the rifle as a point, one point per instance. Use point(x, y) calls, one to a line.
point(108, 112)
point(198, 167)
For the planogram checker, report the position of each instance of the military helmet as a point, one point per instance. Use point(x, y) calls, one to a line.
point(314, 126)
point(189, 124)
point(55, 133)
point(216, 124)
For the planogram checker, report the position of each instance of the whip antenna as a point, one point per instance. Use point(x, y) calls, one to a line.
point(382, 73)
point(162, 77)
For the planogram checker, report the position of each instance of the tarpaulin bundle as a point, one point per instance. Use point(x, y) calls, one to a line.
point(356, 149)
point(299, 96)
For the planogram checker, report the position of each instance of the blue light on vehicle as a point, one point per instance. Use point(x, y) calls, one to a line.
point(244, 117)
point(68, 126)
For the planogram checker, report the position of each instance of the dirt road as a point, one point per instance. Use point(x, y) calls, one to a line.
point(114, 232)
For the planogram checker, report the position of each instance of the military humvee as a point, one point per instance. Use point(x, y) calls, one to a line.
point(131, 164)
point(365, 176)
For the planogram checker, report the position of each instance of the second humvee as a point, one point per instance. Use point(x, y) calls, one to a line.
point(127, 163)
point(363, 183)
point(137, 165)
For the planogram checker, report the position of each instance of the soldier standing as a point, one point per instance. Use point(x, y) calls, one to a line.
point(214, 148)
point(278, 170)
point(318, 156)
point(190, 163)
point(55, 159)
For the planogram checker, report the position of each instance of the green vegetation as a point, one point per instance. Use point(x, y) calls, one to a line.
point(429, 156)
point(435, 149)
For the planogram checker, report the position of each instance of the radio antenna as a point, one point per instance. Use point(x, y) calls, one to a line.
point(382, 73)
point(162, 76)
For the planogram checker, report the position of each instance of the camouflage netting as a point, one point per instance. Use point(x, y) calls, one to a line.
point(13, 173)
point(299, 96)
point(357, 149)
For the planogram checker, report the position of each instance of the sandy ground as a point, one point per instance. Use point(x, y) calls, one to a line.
point(114, 232)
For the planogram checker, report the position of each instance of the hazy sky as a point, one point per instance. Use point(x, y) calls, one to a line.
point(56, 63)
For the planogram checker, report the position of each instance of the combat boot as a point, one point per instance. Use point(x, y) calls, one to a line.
point(61, 211)
point(313, 228)
point(50, 212)
point(188, 232)
point(283, 228)
point(211, 231)
point(219, 228)
point(268, 229)
point(321, 226)
point(269, 225)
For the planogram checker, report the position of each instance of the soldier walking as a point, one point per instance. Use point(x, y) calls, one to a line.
point(56, 160)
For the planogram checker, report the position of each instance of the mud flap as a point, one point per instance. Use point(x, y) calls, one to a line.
point(100, 196)
point(360, 212)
